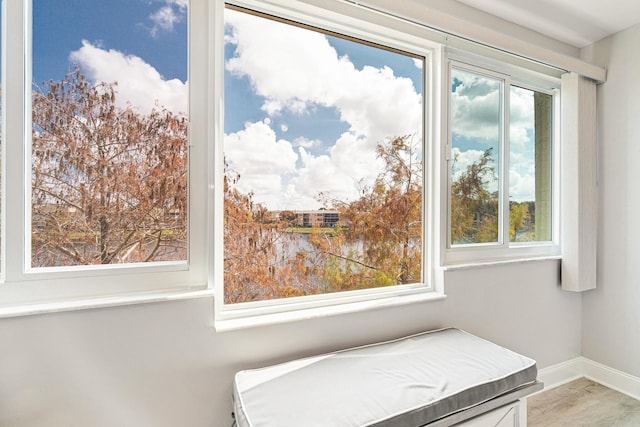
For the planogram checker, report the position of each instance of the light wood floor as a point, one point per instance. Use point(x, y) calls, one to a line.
point(582, 403)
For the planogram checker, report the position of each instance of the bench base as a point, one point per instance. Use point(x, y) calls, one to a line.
point(509, 410)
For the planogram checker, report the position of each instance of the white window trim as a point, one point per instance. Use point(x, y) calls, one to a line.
point(351, 21)
point(464, 256)
point(253, 318)
point(24, 290)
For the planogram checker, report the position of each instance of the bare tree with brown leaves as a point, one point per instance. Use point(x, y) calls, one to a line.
point(382, 238)
point(109, 185)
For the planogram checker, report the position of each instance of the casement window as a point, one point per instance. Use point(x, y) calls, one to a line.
point(502, 182)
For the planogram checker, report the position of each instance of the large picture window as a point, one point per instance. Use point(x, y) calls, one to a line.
point(323, 161)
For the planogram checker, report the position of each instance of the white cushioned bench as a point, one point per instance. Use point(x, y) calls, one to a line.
point(436, 378)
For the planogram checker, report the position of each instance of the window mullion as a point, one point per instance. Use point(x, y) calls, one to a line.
point(504, 165)
point(15, 72)
point(200, 138)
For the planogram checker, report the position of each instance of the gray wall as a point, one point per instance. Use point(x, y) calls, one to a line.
point(611, 313)
point(164, 365)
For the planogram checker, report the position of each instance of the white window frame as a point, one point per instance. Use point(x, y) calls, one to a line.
point(504, 250)
point(350, 21)
point(25, 290)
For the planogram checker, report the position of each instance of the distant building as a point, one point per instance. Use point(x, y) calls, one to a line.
point(313, 218)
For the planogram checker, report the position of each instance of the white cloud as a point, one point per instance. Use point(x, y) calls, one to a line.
point(306, 143)
point(522, 181)
point(521, 187)
point(521, 117)
point(476, 116)
point(322, 175)
point(262, 161)
point(267, 167)
point(165, 18)
point(462, 159)
point(518, 137)
point(353, 156)
point(179, 3)
point(296, 70)
point(138, 83)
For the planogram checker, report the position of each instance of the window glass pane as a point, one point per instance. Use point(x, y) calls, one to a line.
point(475, 140)
point(530, 166)
point(109, 149)
point(323, 162)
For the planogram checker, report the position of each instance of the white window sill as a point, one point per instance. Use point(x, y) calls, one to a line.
point(103, 301)
point(496, 263)
point(249, 321)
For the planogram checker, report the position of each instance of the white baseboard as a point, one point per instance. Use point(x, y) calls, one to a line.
point(612, 378)
point(556, 375)
point(562, 373)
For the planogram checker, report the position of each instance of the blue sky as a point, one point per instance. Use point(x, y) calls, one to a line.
point(115, 40)
point(123, 25)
